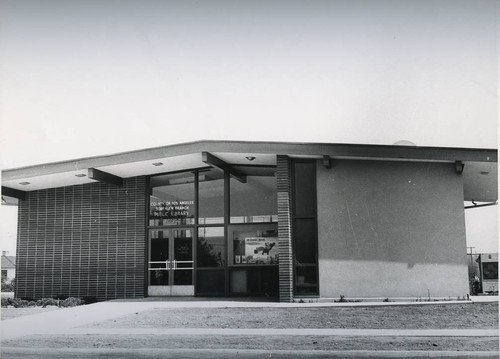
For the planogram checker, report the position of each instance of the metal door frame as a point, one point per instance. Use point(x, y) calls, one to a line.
point(171, 265)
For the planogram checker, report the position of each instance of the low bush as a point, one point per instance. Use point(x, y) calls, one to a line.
point(71, 302)
point(343, 300)
point(47, 301)
point(44, 302)
point(8, 286)
point(15, 302)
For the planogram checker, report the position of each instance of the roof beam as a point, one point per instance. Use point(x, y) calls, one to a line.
point(15, 193)
point(327, 161)
point(475, 205)
point(105, 177)
point(459, 167)
point(216, 162)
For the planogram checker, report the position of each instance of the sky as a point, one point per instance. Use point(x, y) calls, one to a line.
point(88, 78)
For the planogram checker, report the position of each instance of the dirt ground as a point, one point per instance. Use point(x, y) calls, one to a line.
point(439, 316)
point(256, 342)
point(447, 316)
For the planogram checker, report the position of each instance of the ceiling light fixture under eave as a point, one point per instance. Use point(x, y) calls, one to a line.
point(158, 164)
point(250, 158)
point(24, 183)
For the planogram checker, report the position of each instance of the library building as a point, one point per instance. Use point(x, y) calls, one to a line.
point(276, 220)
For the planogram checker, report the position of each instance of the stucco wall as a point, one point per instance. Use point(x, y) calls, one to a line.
point(391, 229)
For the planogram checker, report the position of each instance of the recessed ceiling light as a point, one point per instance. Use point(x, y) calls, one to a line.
point(158, 164)
point(80, 175)
point(24, 183)
point(250, 158)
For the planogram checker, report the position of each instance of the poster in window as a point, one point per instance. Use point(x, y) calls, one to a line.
point(261, 250)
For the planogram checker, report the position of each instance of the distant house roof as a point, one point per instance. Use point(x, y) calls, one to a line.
point(8, 262)
point(479, 164)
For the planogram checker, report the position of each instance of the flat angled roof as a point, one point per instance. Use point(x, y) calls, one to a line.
point(188, 155)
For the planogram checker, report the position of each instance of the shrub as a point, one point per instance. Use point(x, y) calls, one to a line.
point(47, 301)
point(15, 302)
point(23, 303)
point(343, 300)
point(8, 286)
point(71, 302)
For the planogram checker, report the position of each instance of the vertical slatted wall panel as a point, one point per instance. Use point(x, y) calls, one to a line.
point(82, 241)
point(284, 229)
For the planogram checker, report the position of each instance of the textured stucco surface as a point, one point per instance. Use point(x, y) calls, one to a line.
point(391, 229)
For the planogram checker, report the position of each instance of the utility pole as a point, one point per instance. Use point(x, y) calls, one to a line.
point(470, 248)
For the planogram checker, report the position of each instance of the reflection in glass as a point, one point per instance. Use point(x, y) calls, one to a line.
point(306, 279)
point(305, 189)
point(305, 241)
point(159, 273)
point(183, 256)
point(211, 196)
point(254, 201)
point(211, 247)
point(210, 282)
point(172, 199)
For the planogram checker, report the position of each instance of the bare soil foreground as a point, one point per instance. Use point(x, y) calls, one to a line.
point(447, 316)
point(439, 316)
point(257, 342)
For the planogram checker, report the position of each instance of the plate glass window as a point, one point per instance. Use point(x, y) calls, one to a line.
point(172, 199)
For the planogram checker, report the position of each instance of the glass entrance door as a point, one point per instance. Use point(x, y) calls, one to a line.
point(171, 262)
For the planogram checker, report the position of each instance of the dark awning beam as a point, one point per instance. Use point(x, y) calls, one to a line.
point(327, 161)
point(216, 162)
point(15, 193)
point(105, 177)
point(480, 205)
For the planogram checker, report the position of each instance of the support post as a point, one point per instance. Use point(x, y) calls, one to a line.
point(285, 262)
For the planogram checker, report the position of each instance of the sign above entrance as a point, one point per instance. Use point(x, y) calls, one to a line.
point(172, 209)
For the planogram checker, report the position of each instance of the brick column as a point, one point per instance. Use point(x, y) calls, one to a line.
point(284, 229)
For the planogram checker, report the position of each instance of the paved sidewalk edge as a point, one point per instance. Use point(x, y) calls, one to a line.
point(68, 353)
point(338, 332)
